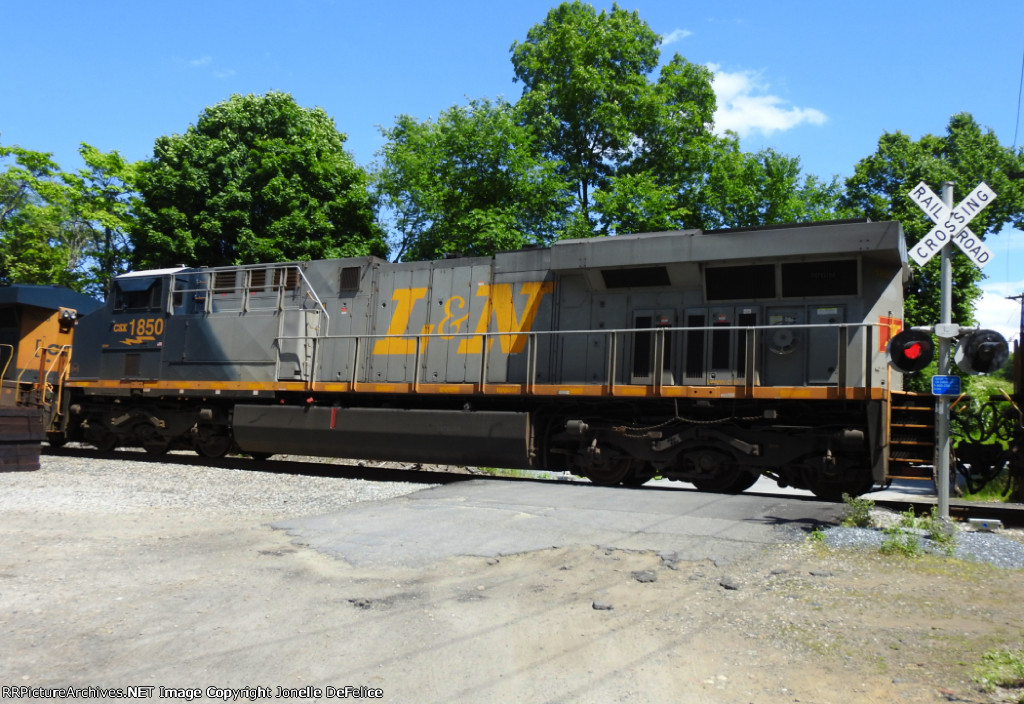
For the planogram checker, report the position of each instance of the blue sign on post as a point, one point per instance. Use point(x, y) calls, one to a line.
point(946, 385)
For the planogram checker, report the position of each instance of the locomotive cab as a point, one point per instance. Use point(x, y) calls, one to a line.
point(36, 331)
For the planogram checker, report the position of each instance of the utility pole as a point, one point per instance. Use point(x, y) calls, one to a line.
point(1018, 365)
point(1020, 333)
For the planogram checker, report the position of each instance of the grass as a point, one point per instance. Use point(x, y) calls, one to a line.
point(858, 512)
point(1001, 669)
point(995, 491)
point(904, 537)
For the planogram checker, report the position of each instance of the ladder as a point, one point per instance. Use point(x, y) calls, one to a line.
point(911, 435)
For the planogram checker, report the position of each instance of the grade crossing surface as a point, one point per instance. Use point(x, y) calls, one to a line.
point(489, 518)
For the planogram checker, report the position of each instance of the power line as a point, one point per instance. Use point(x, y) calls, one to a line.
point(1020, 90)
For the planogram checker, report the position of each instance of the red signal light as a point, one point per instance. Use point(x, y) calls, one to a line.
point(911, 350)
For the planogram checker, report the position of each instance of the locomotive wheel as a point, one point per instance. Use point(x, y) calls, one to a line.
point(156, 446)
point(832, 489)
point(106, 443)
point(639, 474)
point(152, 441)
point(712, 470)
point(634, 480)
point(212, 444)
point(611, 473)
point(727, 479)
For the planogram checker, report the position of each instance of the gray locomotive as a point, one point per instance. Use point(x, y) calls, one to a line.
point(706, 357)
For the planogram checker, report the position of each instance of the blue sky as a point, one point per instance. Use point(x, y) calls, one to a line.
point(817, 80)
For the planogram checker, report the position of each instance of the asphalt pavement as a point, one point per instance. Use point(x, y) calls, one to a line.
point(491, 518)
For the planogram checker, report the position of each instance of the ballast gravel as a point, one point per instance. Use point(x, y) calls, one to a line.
point(978, 546)
point(86, 485)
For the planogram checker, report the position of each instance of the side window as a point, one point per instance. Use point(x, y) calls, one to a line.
point(137, 294)
point(180, 295)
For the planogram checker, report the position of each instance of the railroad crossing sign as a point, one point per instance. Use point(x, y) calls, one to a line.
point(951, 224)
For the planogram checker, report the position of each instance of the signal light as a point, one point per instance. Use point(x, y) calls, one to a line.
point(981, 352)
point(910, 350)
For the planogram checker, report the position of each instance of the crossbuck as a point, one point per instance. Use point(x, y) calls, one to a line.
point(951, 224)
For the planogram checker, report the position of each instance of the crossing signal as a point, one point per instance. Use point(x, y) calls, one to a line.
point(910, 350)
point(981, 352)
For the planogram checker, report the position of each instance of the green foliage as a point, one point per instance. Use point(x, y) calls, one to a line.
point(747, 190)
point(102, 196)
point(256, 179)
point(1001, 668)
point(940, 532)
point(34, 207)
point(585, 85)
point(899, 541)
point(858, 512)
point(966, 155)
point(658, 183)
point(1005, 373)
point(593, 146)
point(903, 538)
point(469, 183)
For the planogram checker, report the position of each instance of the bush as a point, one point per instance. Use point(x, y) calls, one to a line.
point(858, 512)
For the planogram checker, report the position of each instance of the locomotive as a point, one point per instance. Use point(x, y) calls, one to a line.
point(707, 357)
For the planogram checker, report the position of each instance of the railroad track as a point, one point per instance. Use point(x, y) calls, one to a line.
point(1010, 515)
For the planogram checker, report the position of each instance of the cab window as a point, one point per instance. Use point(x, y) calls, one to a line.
point(137, 294)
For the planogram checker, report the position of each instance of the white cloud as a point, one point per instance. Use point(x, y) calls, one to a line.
point(675, 35)
point(994, 311)
point(744, 106)
point(207, 63)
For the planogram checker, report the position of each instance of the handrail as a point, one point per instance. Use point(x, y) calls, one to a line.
point(246, 289)
point(7, 364)
point(746, 369)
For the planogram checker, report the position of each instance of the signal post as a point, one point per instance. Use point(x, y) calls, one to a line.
point(950, 226)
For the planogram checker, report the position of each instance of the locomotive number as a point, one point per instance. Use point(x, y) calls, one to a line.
point(139, 330)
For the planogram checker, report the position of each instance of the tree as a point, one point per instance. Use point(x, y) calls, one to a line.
point(656, 185)
point(469, 183)
point(644, 155)
point(256, 179)
point(750, 190)
point(34, 206)
point(102, 198)
point(966, 155)
point(585, 84)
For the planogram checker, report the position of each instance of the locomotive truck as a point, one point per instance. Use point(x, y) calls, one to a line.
point(706, 357)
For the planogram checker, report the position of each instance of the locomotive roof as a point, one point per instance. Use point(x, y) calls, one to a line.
point(48, 297)
point(883, 240)
point(153, 272)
